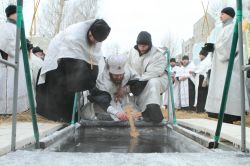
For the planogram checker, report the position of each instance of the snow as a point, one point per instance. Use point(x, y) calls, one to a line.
point(44, 158)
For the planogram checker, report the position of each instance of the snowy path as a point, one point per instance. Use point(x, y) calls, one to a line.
point(24, 135)
point(229, 132)
point(43, 158)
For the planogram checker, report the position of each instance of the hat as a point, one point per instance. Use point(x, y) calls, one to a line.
point(229, 11)
point(209, 47)
point(116, 64)
point(144, 38)
point(11, 9)
point(172, 60)
point(100, 30)
point(36, 49)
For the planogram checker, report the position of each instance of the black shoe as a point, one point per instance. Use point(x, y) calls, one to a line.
point(154, 113)
point(145, 116)
point(146, 119)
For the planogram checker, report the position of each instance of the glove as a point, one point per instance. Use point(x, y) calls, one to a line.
point(136, 86)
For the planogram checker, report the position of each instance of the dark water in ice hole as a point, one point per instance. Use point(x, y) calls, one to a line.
point(117, 139)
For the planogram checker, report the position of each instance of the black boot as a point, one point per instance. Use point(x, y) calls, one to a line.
point(153, 111)
point(145, 116)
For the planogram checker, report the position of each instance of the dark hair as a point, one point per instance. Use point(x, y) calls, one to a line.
point(172, 60)
point(36, 49)
point(185, 57)
point(11, 9)
point(203, 52)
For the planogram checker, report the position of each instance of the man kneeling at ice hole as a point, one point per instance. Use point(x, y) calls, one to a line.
point(111, 94)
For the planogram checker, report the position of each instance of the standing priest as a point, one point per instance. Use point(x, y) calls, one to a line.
point(70, 65)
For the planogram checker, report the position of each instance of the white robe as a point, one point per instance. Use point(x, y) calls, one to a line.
point(8, 44)
point(176, 90)
point(71, 43)
point(218, 76)
point(104, 83)
point(150, 67)
point(35, 65)
point(201, 69)
point(184, 89)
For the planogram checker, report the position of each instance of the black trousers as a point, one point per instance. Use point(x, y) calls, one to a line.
point(202, 96)
point(191, 88)
point(55, 97)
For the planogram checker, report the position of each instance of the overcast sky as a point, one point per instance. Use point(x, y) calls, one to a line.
point(159, 17)
point(128, 17)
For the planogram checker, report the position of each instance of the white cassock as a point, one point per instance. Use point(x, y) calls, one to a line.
point(71, 43)
point(176, 89)
point(201, 69)
point(218, 75)
point(150, 67)
point(104, 83)
point(8, 45)
point(35, 65)
point(184, 87)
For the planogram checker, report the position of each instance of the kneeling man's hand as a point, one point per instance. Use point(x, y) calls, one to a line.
point(122, 116)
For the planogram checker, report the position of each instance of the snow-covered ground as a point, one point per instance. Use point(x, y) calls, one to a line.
point(43, 158)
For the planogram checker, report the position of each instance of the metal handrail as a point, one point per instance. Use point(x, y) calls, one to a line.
point(20, 23)
point(245, 67)
point(20, 35)
point(8, 63)
point(242, 84)
point(170, 88)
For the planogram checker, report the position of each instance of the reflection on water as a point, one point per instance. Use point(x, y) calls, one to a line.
point(113, 139)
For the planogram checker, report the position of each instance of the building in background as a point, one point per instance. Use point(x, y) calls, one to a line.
point(201, 30)
point(187, 47)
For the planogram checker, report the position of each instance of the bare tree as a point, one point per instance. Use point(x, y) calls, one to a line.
point(49, 19)
point(172, 43)
point(216, 6)
point(59, 14)
point(79, 10)
point(2, 14)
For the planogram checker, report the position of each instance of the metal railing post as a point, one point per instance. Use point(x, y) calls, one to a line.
point(27, 73)
point(242, 84)
point(16, 73)
point(170, 88)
